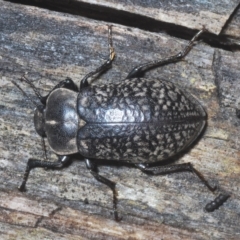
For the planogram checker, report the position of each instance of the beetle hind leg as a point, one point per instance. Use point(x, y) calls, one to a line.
point(172, 169)
point(92, 168)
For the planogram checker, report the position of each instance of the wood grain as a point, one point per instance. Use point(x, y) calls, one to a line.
point(49, 46)
point(194, 14)
point(189, 14)
point(231, 29)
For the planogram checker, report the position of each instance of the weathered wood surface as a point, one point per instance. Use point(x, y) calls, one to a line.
point(174, 17)
point(231, 30)
point(69, 203)
point(189, 14)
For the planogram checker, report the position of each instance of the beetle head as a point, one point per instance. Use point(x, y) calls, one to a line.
point(39, 120)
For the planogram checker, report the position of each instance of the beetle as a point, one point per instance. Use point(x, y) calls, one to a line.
point(140, 121)
point(217, 202)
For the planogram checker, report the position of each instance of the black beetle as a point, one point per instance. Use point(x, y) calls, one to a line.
point(217, 202)
point(140, 121)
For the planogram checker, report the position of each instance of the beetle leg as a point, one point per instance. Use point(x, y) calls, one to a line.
point(105, 65)
point(217, 202)
point(92, 168)
point(67, 83)
point(174, 168)
point(44, 148)
point(34, 163)
point(139, 70)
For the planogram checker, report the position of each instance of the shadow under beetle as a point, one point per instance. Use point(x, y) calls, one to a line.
point(139, 121)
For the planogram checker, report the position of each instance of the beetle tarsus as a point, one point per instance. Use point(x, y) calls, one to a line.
point(92, 168)
point(200, 176)
point(30, 165)
point(22, 186)
point(107, 64)
point(217, 202)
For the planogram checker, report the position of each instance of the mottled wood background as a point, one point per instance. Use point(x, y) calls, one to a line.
point(51, 40)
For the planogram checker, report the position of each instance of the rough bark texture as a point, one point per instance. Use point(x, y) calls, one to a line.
point(49, 46)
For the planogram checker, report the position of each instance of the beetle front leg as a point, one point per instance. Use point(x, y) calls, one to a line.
point(34, 163)
point(105, 65)
point(67, 83)
point(92, 168)
point(172, 169)
point(139, 70)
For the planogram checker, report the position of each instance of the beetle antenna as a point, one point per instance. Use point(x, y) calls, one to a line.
point(24, 79)
point(37, 106)
point(25, 94)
